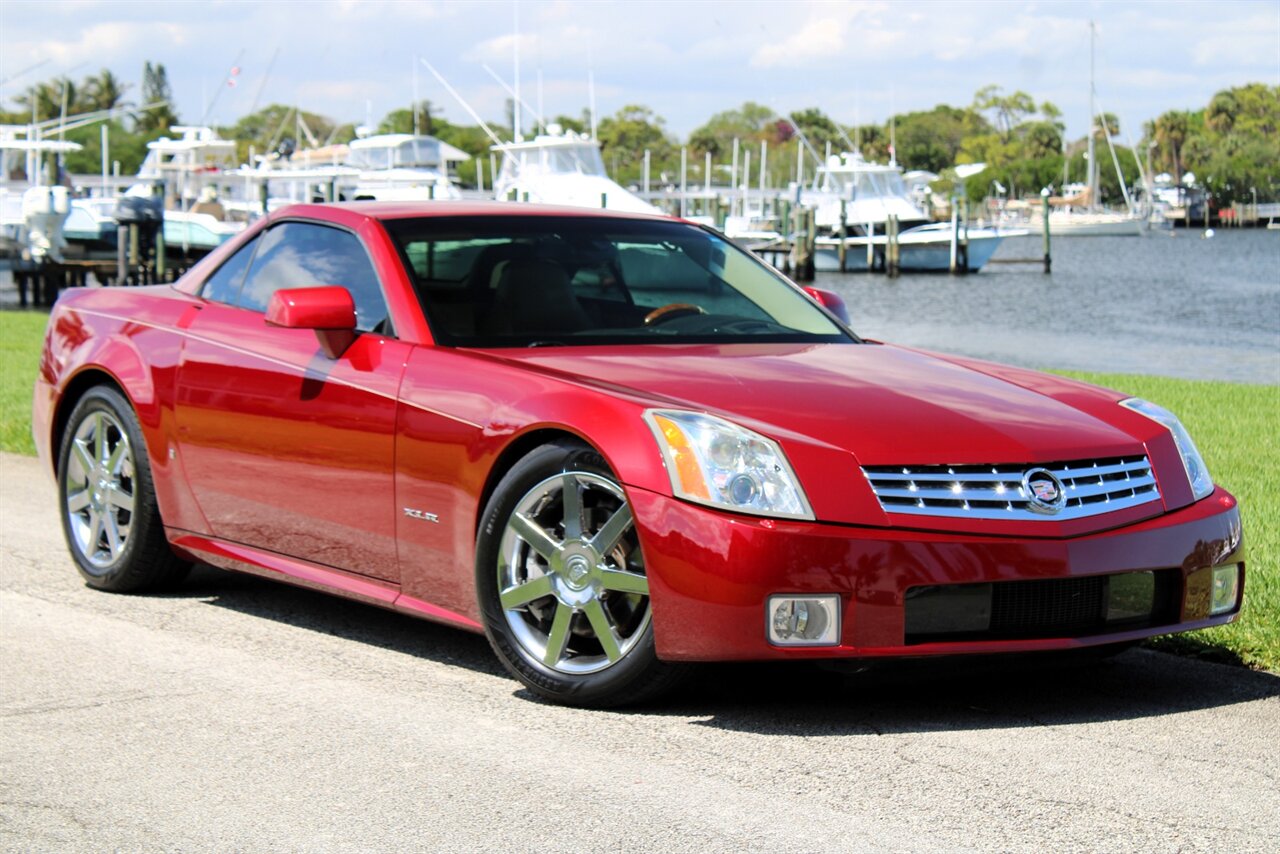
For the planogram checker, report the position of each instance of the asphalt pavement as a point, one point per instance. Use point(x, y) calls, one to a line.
point(239, 714)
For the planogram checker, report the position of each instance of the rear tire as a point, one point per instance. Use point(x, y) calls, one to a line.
point(107, 500)
point(561, 583)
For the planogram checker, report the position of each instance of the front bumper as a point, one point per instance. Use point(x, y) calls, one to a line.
point(710, 576)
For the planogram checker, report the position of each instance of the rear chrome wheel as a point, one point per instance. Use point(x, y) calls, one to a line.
point(562, 584)
point(107, 500)
point(98, 490)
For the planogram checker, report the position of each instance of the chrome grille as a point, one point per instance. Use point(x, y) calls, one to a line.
point(996, 491)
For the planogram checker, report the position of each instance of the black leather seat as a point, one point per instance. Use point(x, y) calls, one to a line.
point(534, 296)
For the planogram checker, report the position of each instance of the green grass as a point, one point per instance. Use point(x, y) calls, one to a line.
point(21, 334)
point(1237, 428)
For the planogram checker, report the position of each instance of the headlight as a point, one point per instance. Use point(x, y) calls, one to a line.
point(713, 461)
point(1197, 471)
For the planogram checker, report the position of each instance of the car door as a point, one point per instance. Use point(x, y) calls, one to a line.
point(286, 449)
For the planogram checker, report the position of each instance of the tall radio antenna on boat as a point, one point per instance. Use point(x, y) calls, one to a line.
point(1093, 118)
point(537, 114)
point(515, 49)
point(414, 106)
point(474, 115)
point(591, 97)
point(257, 95)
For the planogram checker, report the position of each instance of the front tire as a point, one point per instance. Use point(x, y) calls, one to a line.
point(562, 585)
point(107, 501)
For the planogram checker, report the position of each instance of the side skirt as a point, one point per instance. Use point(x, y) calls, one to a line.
point(240, 558)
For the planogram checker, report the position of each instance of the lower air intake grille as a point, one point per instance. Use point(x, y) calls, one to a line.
point(1058, 605)
point(1043, 608)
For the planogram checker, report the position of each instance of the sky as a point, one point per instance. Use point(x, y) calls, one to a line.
point(856, 61)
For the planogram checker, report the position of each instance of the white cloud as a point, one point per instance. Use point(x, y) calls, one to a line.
point(822, 35)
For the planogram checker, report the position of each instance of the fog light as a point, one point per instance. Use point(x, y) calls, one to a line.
point(1226, 589)
point(803, 621)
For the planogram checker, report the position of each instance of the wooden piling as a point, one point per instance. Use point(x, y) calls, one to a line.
point(893, 261)
point(843, 251)
point(157, 191)
point(810, 243)
point(122, 249)
point(1044, 209)
point(955, 235)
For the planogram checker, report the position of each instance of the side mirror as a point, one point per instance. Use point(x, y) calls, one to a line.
point(831, 302)
point(328, 309)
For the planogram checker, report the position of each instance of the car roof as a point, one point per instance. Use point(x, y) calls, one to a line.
point(413, 210)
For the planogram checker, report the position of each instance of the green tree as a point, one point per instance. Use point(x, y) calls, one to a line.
point(1232, 145)
point(819, 129)
point(48, 99)
point(401, 121)
point(933, 140)
point(749, 123)
point(582, 124)
point(155, 90)
point(103, 91)
point(1170, 134)
point(1008, 111)
point(627, 134)
point(267, 129)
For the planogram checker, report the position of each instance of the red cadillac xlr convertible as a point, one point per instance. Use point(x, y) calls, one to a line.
point(615, 444)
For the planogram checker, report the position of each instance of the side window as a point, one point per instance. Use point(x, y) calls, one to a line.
point(304, 255)
point(224, 284)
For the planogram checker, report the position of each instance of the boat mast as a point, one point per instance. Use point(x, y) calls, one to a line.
point(515, 104)
point(1093, 165)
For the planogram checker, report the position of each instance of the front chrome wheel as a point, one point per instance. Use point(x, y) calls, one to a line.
point(571, 578)
point(98, 490)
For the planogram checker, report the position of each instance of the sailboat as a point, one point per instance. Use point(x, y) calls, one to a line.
point(1078, 214)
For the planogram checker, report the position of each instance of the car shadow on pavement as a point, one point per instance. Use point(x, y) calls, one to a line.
point(338, 617)
point(803, 698)
point(962, 694)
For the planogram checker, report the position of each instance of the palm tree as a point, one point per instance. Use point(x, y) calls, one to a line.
point(102, 92)
point(1171, 134)
point(1221, 115)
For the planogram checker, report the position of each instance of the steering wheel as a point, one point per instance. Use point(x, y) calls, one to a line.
point(670, 311)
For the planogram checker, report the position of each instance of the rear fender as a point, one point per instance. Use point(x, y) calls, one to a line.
point(115, 358)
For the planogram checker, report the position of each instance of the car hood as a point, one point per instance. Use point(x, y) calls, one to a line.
point(885, 405)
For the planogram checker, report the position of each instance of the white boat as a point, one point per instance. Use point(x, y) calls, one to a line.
point(402, 167)
point(33, 211)
point(384, 167)
point(199, 212)
point(561, 168)
point(923, 248)
point(870, 192)
point(1089, 223)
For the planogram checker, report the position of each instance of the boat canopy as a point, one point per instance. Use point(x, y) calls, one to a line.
point(550, 155)
point(402, 151)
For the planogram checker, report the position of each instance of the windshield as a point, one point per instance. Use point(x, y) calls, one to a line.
point(552, 160)
point(551, 280)
point(410, 154)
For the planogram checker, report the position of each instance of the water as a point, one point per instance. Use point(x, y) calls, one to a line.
point(1176, 306)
